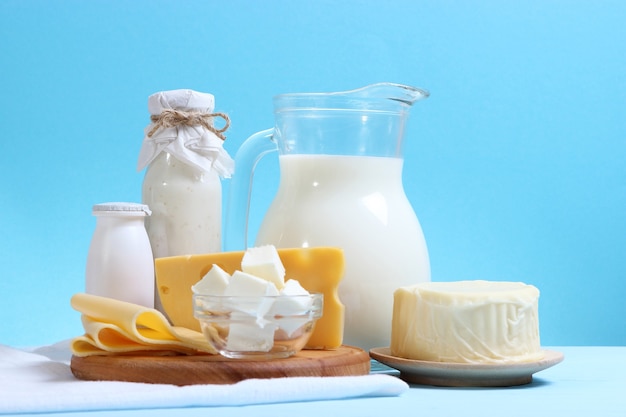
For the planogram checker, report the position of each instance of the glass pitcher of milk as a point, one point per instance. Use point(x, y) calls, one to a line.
point(340, 158)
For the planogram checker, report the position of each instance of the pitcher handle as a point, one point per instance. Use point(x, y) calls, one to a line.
point(238, 209)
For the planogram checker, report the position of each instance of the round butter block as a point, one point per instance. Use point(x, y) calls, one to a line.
point(466, 322)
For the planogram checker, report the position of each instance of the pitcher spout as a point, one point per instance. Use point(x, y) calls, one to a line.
point(389, 91)
point(389, 97)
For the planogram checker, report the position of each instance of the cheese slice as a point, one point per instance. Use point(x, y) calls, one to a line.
point(466, 322)
point(318, 270)
point(113, 327)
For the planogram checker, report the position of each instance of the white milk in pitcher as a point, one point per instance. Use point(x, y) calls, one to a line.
point(356, 203)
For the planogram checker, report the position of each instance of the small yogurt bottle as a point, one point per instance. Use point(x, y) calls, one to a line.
point(120, 264)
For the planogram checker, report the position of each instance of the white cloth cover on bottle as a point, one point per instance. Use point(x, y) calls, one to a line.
point(193, 145)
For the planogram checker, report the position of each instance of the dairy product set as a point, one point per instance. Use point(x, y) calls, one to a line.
point(184, 158)
point(341, 161)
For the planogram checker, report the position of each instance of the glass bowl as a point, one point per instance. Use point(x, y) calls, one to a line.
point(257, 327)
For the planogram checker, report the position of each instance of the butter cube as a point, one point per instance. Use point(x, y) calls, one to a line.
point(243, 284)
point(285, 308)
point(289, 306)
point(264, 262)
point(250, 337)
point(213, 283)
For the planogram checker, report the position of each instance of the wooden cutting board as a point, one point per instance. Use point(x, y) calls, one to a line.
point(216, 369)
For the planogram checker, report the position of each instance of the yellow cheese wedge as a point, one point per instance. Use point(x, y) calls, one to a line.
point(113, 327)
point(318, 269)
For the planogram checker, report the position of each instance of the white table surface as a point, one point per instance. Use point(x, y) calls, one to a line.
point(589, 382)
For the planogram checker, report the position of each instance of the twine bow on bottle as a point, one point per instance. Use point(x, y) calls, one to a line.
point(171, 118)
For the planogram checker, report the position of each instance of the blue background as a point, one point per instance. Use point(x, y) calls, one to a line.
point(514, 165)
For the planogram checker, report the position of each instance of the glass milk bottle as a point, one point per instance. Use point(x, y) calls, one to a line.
point(185, 160)
point(119, 262)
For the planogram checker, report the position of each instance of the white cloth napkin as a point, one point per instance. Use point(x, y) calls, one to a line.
point(41, 381)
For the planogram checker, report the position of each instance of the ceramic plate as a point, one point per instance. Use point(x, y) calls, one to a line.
point(464, 374)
